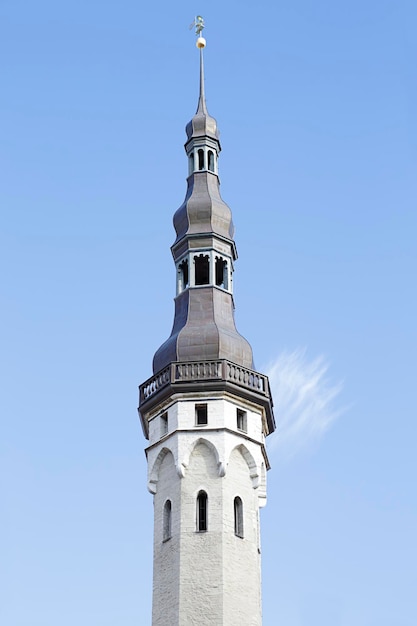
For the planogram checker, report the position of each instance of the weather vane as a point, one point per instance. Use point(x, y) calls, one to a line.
point(198, 24)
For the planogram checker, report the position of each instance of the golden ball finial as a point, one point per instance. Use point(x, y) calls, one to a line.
point(200, 43)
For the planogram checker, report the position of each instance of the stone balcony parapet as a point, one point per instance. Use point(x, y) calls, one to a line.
point(186, 376)
point(196, 371)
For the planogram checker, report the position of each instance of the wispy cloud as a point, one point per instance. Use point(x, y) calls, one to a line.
point(305, 401)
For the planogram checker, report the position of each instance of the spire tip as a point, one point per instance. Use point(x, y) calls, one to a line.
point(198, 24)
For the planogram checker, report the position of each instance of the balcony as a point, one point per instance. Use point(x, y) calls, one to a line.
point(204, 371)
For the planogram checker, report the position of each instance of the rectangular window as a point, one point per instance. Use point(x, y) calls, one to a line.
point(164, 424)
point(241, 419)
point(201, 414)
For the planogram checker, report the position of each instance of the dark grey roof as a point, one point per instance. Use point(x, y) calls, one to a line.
point(203, 210)
point(204, 328)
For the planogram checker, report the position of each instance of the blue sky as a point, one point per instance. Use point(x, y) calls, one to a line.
point(316, 105)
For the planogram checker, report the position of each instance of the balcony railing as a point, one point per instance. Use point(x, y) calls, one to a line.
point(195, 371)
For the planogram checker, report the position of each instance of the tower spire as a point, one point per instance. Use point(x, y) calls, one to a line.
point(202, 108)
point(201, 44)
point(202, 124)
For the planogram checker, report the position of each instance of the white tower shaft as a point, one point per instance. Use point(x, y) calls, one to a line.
point(209, 482)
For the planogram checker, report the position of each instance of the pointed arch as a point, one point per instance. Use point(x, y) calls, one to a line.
point(154, 473)
point(251, 463)
point(213, 450)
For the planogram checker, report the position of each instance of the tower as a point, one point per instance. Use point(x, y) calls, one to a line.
point(206, 413)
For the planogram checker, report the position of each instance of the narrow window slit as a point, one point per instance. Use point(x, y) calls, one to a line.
point(202, 511)
point(167, 520)
point(238, 510)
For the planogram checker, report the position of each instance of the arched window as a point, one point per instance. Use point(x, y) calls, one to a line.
point(167, 521)
point(191, 164)
point(202, 511)
point(211, 160)
point(201, 159)
point(221, 272)
point(202, 272)
point(183, 271)
point(238, 507)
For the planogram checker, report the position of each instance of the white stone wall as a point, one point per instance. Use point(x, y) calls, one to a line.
point(201, 559)
point(242, 567)
point(166, 553)
point(213, 577)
